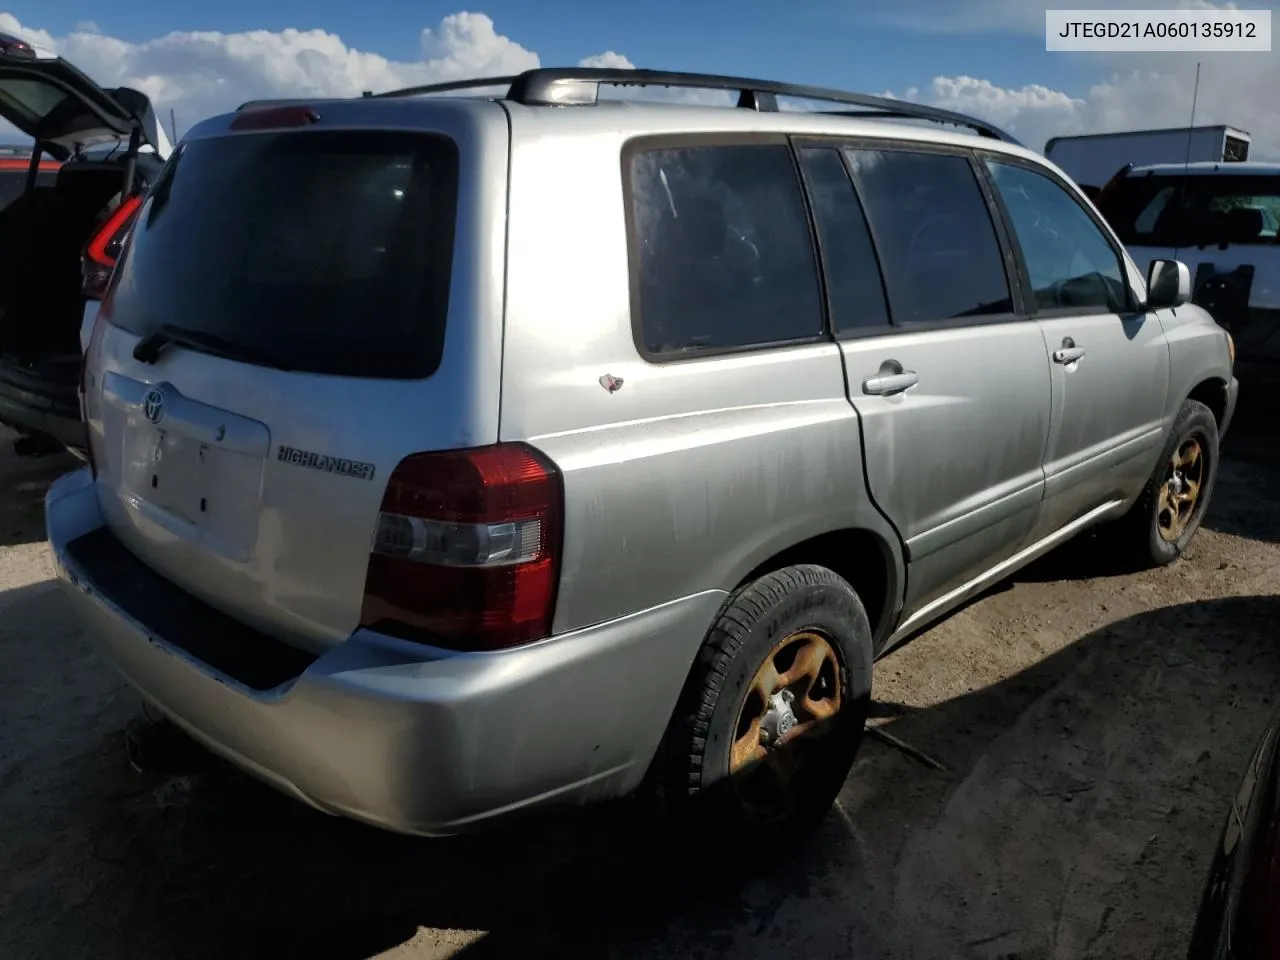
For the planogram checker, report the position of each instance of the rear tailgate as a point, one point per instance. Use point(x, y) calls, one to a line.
point(335, 289)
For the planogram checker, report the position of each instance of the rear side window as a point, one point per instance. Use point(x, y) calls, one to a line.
point(721, 250)
point(848, 257)
point(323, 252)
point(1194, 211)
point(1069, 260)
point(938, 246)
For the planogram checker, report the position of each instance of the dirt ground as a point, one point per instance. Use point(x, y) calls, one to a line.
point(1092, 726)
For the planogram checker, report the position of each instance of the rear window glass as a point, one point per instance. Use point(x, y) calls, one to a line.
point(14, 182)
point(1192, 211)
point(321, 252)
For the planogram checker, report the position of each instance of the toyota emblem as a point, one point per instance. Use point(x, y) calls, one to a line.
point(153, 406)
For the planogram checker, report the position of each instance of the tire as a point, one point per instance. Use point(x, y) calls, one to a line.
point(774, 618)
point(1153, 536)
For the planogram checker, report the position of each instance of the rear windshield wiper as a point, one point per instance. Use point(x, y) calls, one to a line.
point(149, 348)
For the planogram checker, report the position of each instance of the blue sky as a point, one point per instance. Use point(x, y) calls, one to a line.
point(984, 57)
point(816, 41)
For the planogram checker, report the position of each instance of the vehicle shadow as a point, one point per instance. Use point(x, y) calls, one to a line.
point(23, 483)
point(1251, 458)
point(1254, 435)
point(1246, 503)
point(1138, 730)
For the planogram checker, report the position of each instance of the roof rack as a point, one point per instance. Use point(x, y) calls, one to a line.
point(580, 86)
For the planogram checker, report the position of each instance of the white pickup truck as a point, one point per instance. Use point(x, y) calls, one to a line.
point(1223, 221)
point(1094, 159)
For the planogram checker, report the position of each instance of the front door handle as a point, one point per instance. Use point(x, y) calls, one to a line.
point(1068, 352)
point(890, 383)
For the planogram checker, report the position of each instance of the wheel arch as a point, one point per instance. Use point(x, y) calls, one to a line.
point(863, 558)
point(1212, 392)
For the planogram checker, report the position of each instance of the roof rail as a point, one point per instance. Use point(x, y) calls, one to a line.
point(580, 86)
point(473, 84)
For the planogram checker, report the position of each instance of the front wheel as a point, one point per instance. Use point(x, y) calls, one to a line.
point(773, 710)
point(1174, 501)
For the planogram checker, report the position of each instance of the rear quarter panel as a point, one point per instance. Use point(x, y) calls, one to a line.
point(692, 473)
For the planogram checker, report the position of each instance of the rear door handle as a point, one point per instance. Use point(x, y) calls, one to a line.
point(890, 383)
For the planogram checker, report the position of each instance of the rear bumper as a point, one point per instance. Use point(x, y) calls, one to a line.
point(31, 401)
point(391, 733)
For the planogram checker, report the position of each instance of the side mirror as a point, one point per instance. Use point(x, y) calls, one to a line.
point(1168, 284)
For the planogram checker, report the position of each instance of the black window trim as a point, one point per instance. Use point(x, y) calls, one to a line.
point(665, 141)
point(1131, 307)
point(1008, 252)
point(799, 145)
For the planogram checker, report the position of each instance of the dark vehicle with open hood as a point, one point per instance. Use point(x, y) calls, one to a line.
point(95, 151)
point(1239, 917)
point(15, 166)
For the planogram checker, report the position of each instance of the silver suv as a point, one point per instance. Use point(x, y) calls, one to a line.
point(454, 456)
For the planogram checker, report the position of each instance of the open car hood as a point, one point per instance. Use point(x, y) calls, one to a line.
point(51, 101)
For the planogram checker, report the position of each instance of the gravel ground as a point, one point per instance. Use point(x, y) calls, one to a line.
point(1091, 726)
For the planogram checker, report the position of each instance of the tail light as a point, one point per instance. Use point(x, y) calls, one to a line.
point(105, 247)
point(86, 412)
point(467, 550)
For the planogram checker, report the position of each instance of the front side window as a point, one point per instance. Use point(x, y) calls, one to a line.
point(721, 248)
point(1070, 262)
point(933, 230)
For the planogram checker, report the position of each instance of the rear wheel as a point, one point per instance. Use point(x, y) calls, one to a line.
point(773, 711)
point(1168, 514)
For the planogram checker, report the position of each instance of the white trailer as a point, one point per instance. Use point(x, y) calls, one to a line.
point(1092, 160)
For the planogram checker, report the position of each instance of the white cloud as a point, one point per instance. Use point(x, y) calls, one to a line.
point(607, 61)
point(1150, 91)
point(202, 73)
point(1014, 16)
point(1142, 90)
point(1032, 113)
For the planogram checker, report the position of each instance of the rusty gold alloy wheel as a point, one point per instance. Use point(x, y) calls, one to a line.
point(1180, 493)
point(796, 688)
